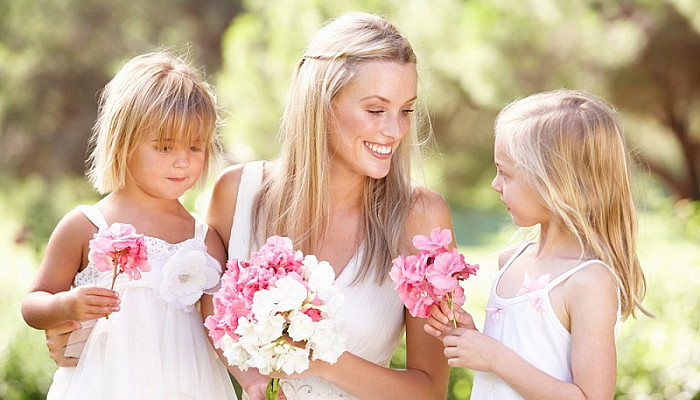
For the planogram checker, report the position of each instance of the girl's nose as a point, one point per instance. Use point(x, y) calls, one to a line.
point(496, 184)
point(182, 159)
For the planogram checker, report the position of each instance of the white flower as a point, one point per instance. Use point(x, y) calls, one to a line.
point(185, 277)
point(292, 294)
point(301, 326)
point(327, 343)
point(268, 328)
point(234, 351)
point(292, 359)
point(319, 274)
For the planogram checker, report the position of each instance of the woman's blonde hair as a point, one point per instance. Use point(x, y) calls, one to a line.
point(570, 149)
point(294, 200)
point(152, 92)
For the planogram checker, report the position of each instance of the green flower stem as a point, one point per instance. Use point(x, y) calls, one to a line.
point(273, 388)
point(450, 302)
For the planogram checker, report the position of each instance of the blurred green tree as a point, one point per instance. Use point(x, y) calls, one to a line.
point(475, 56)
point(55, 56)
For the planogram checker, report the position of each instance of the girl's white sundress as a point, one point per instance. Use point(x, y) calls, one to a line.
point(373, 315)
point(152, 349)
point(535, 333)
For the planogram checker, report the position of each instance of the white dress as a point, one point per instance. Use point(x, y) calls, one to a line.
point(152, 349)
point(373, 315)
point(535, 333)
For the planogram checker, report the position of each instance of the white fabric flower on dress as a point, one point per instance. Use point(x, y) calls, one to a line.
point(186, 275)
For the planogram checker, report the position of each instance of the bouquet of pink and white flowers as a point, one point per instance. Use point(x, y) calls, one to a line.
point(277, 311)
point(431, 276)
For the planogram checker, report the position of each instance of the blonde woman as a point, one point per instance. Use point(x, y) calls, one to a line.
point(342, 190)
point(556, 303)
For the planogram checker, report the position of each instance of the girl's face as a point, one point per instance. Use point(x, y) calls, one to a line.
point(516, 192)
point(165, 171)
point(372, 115)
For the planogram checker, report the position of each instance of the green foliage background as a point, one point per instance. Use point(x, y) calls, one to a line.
point(474, 57)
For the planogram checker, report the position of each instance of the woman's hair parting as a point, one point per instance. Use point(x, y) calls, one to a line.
point(154, 92)
point(571, 150)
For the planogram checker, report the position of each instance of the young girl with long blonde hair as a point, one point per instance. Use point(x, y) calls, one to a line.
point(556, 303)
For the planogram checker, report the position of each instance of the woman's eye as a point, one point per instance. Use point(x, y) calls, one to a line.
point(195, 148)
point(375, 111)
point(407, 111)
point(164, 149)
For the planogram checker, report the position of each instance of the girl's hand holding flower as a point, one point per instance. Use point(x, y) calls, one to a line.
point(90, 302)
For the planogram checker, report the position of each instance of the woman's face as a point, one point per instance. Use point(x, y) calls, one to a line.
point(372, 114)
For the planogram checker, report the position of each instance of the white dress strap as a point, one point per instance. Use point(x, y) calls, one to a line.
point(559, 279)
point(515, 255)
point(564, 276)
point(251, 181)
point(200, 230)
point(94, 215)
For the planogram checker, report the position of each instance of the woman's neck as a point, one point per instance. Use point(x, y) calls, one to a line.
point(346, 191)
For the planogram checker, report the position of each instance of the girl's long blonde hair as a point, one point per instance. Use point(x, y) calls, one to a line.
point(568, 145)
point(154, 92)
point(294, 200)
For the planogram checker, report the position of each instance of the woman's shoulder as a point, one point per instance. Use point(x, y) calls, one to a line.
point(425, 201)
point(229, 177)
point(428, 209)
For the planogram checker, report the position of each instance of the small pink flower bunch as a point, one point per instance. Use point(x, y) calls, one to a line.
point(277, 311)
point(120, 249)
point(533, 288)
point(431, 276)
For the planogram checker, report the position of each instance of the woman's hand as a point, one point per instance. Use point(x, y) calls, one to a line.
point(56, 341)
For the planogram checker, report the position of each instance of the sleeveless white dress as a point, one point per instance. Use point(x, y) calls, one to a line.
point(536, 334)
point(372, 314)
point(152, 349)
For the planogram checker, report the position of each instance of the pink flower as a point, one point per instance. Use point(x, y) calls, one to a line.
point(121, 249)
point(437, 242)
point(445, 270)
point(431, 276)
point(409, 269)
point(532, 287)
point(531, 284)
point(494, 313)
